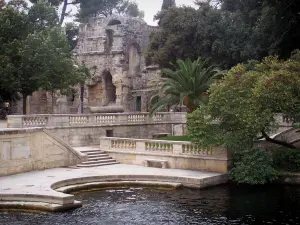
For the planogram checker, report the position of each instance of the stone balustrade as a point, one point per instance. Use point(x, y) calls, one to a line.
point(159, 146)
point(56, 120)
point(175, 154)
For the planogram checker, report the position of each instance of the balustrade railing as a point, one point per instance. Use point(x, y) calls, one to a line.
point(35, 121)
point(154, 146)
point(159, 147)
point(123, 144)
point(53, 120)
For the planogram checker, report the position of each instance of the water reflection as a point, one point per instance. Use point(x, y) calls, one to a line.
point(218, 205)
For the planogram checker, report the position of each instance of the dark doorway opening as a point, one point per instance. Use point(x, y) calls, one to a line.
point(109, 133)
point(110, 89)
point(138, 104)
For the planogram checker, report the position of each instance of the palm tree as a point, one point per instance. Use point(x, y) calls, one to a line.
point(187, 85)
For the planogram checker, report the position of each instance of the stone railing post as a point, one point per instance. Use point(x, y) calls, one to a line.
point(105, 143)
point(92, 119)
point(58, 120)
point(177, 148)
point(149, 119)
point(121, 118)
point(140, 145)
point(14, 121)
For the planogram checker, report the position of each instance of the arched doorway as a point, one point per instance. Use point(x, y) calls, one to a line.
point(109, 89)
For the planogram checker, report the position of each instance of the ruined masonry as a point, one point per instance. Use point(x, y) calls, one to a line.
point(113, 49)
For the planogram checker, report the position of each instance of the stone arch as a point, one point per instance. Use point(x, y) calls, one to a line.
point(114, 22)
point(110, 95)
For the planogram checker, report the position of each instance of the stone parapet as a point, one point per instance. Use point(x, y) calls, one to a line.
point(180, 155)
point(66, 120)
point(30, 149)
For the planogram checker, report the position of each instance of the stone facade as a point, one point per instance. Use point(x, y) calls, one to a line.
point(113, 49)
point(23, 150)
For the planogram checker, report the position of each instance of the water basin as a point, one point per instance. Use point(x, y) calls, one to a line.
point(226, 204)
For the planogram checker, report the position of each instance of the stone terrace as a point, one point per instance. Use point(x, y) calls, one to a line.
point(34, 190)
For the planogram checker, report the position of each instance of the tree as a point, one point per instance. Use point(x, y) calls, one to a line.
point(175, 37)
point(72, 31)
point(242, 109)
point(89, 8)
point(34, 53)
point(187, 85)
point(59, 70)
point(92, 8)
point(246, 102)
point(232, 33)
point(167, 4)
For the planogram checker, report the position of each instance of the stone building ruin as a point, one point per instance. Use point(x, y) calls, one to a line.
point(113, 49)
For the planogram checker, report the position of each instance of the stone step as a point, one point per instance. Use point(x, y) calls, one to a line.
point(96, 153)
point(91, 151)
point(96, 164)
point(99, 161)
point(98, 158)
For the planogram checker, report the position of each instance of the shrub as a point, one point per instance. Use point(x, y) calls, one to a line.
point(253, 167)
point(287, 159)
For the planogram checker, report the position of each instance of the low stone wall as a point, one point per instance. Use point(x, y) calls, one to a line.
point(180, 155)
point(89, 135)
point(23, 150)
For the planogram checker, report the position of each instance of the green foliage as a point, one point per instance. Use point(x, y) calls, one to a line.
point(241, 109)
point(254, 167)
point(287, 159)
point(72, 31)
point(34, 52)
point(167, 4)
point(175, 138)
point(233, 32)
point(244, 108)
point(184, 86)
point(175, 40)
point(203, 130)
point(42, 15)
point(91, 8)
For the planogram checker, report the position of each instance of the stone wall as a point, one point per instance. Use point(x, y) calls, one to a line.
point(179, 155)
point(23, 150)
point(116, 46)
point(90, 135)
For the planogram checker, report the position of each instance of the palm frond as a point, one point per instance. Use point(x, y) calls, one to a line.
point(189, 81)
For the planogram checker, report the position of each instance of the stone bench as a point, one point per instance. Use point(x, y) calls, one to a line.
point(164, 163)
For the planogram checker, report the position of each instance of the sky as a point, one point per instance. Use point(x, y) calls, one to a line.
point(151, 7)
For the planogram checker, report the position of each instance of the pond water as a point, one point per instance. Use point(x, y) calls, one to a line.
point(218, 205)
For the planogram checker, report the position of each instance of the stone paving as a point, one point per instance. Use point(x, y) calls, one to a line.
point(41, 181)
point(36, 186)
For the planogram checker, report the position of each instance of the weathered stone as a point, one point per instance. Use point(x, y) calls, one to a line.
point(113, 49)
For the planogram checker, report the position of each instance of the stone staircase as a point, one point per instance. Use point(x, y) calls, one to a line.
point(96, 157)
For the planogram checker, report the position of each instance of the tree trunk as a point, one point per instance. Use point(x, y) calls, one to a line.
point(63, 13)
point(24, 104)
point(81, 98)
point(52, 102)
